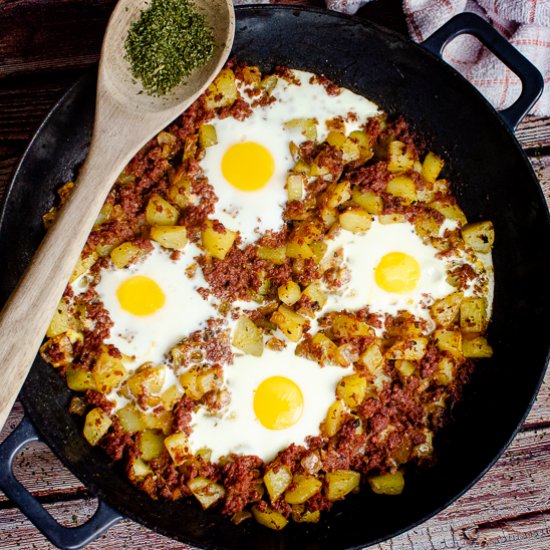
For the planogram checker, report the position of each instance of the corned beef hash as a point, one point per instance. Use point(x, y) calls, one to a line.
point(278, 304)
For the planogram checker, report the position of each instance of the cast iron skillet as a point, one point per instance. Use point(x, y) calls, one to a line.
point(493, 181)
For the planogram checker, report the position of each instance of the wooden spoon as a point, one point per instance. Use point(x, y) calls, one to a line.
point(125, 120)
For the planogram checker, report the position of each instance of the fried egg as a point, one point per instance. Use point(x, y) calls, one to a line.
point(276, 400)
point(389, 269)
point(249, 164)
point(153, 304)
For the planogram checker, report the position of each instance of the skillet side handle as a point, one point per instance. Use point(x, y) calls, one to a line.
point(531, 79)
point(66, 538)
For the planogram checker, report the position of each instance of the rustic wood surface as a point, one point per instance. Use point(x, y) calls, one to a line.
point(44, 47)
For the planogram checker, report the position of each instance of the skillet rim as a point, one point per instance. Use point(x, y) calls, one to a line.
point(380, 31)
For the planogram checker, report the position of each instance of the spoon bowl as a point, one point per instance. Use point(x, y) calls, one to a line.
point(125, 119)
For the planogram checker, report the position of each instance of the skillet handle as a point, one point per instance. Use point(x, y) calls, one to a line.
point(531, 79)
point(66, 538)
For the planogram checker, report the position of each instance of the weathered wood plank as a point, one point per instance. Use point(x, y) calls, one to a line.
point(534, 132)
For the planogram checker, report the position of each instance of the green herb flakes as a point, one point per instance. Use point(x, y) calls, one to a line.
point(167, 42)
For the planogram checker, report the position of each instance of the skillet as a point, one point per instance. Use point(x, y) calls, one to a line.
point(493, 180)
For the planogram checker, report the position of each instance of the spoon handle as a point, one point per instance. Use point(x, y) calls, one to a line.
point(29, 310)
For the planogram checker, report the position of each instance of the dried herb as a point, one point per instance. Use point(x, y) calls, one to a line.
point(166, 43)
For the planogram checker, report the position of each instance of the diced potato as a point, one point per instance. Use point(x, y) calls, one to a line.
point(334, 419)
point(351, 151)
point(338, 193)
point(179, 192)
point(308, 127)
point(328, 215)
point(217, 243)
point(58, 351)
point(427, 226)
point(300, 515)
point(476, 347)
point(296, 249)
point(301, 167)
point(340, 483)
point(336, 139)
point(449, 210)
point(131, 418)
point(295, 186)
point(125, 254)
point(150, 444)
point(449, 340)
point(431, 167)
point(355, 220)
point(479, 236)
point(314, 293)
point(368, 200)
point(319, 249)
point(402, 187)
point(170, 397)
point(473, 315)
point(344, 326)
point(445, 371)
point(160, 212)
point(198, 381)
point(445, 311)
point(170, 236)
point(62, 320)
point(137, 469)
point(83, 265)
point(387, 484)
point(275, 255)
point(302, 488)
point(96, 425)
point(372, 358)
point(206, 491)
point(252, 75)
point(147, 380)
point(159, 421)
point(289, 293)
point(276, 481)
point(352, 390)
point(223, 91)
point(248, 337)
point(411, 350)
point(289, 322)
point(79, 378)
point(177, 446)
point(108, 372)
point(269, 518)
point(399, 160)
point(207, 136)
point(326, 351)
point(269, 82)
point(405, 368)
point(361, 137)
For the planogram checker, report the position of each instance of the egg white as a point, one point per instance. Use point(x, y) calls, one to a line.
point(150, 337)
point(254, 212)
point(239, 431)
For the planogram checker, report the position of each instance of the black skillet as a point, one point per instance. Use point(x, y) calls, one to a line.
point(493, 180)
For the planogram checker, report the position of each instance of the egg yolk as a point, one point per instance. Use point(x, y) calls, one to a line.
point(397, 272)
point(248, 166)
point(278, 403)
point(140, 295)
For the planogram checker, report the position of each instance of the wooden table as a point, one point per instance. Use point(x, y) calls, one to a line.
point(44, 47)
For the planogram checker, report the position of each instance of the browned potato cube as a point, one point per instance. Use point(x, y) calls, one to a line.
point(476, 347)
point(352, 390)
point(269, 518)
point(150, 444)
point(207, 136)
point(217, 240)
point(170, 236)
point(302, 488)
point(334, 419)
point(275, 255)
point(295, 184)
point(449, 340)
point(125, 254)
point(402, 187)
point(177, 446)
point(223, 91)
point(399, 159)
point(473, 315)
point(387, 484)
point(207, 492)
point(368, 200)
point(160, 212)
point(96, 425)
point(355, 220)
point(340, 483)
point(431, 167)
point(479, 236)
point(276, 481)
point(445, 311)
point(248, 337)
point(289, 293)
point(290, 323)
point(108, 372)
